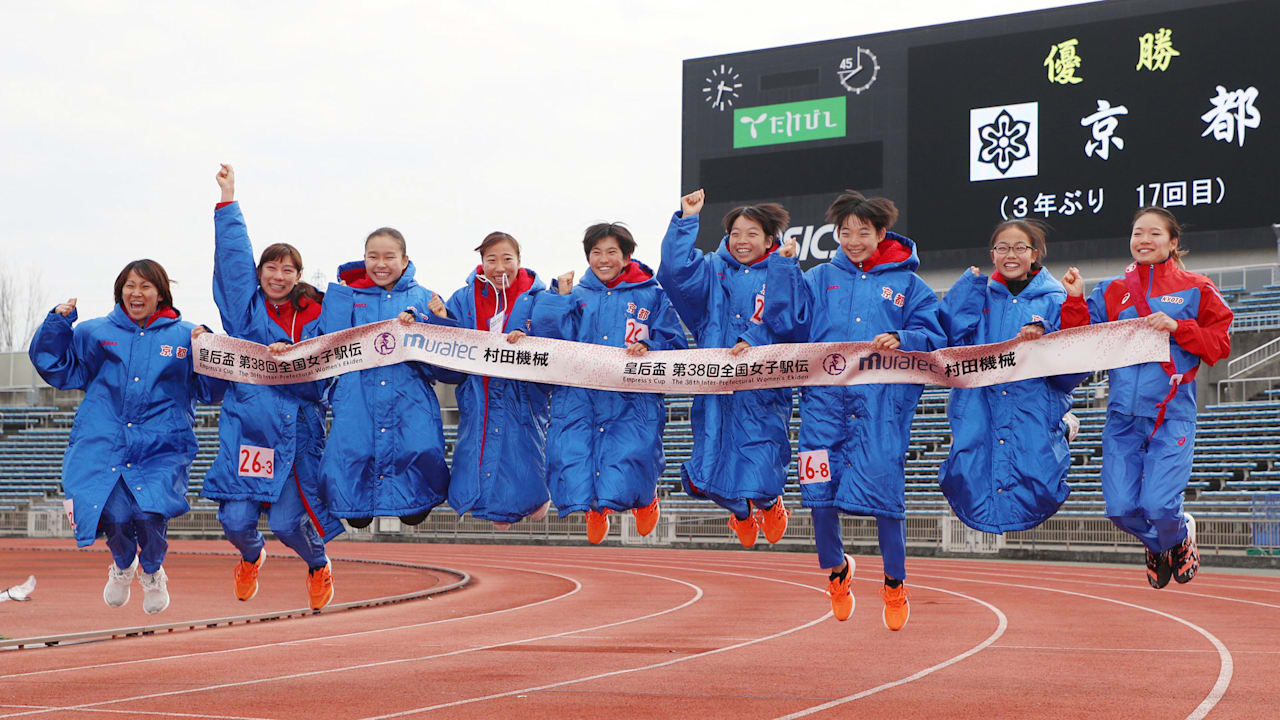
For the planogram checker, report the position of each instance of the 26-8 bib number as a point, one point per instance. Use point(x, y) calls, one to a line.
point(257, 461)
point(814, 467)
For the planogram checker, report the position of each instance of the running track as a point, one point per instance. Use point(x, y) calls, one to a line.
point(644, 633)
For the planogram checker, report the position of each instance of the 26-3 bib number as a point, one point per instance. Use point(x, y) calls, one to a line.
point(257, 461)
point(814, 467)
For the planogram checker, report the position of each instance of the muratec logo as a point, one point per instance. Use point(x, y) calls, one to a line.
point(876, 361)
point(789, 122)
point(443, 348)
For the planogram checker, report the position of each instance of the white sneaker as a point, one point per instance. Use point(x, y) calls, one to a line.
point(116, 593)
point(20, 593)
point(155, 596)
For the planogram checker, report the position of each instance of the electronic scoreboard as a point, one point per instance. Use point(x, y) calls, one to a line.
point(1076, 116)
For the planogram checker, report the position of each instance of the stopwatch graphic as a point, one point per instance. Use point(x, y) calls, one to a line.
point(859, 72)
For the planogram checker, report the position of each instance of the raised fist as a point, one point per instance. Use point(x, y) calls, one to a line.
point(564, 283)
point(691, 204)
point(226, 178)
point(1073, 283)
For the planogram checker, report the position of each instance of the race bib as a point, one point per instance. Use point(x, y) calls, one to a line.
point(636, 332)
point(69, 506)
point(814, 467)
point(497, 321)
point(257, 461)
point(757, 315)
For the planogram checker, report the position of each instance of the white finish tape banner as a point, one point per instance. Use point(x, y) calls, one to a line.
point(560, 362)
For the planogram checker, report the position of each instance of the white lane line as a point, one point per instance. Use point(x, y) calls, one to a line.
point(1137, 572)
point(599, 676)
point(1226, 665)
point(1001, 625)
point(1055, 648)
point(577, 586)
point(1077, 580)
point(141, 712)
point(1136, 585)
point(383, 663)
point(665, 663)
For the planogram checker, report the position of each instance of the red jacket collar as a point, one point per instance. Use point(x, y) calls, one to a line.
point(290, 320)
point(1001, 279)
point(766, 254)
point(888, 251)
point(357, 277)
point(166, 312)
point(487, 300)
point(632, 273)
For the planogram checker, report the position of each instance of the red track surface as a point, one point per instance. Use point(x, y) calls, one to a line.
point(640, 633)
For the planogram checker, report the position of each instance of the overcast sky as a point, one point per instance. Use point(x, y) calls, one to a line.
point(445, 120)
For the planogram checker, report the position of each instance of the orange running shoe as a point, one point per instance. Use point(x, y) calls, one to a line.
point(746, 529)
point(896, 607)
point(320, 586)
point(1185, 557)
point(246, 576)
point(773, 521)
point(647, 517)
point(838, 590)
point(597, 525)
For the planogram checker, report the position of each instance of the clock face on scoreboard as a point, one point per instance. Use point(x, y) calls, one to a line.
point(1074, 116)
point(721, 88)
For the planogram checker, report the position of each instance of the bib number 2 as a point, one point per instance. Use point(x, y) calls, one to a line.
point(757, 316)
point(814, 467)
point(636, 332)
point(257, 461)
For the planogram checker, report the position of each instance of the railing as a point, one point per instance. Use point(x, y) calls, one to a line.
point(1261, 384)
point(1269, 320)
point(1253, 358)
point(1238, 529)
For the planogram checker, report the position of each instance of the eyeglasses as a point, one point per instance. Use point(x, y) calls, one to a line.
point(1012, 249)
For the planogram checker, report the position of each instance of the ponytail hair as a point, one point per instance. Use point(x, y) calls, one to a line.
point(1171, 226)
point(285, 251)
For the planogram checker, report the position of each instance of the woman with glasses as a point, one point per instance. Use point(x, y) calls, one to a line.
point(1008, 463)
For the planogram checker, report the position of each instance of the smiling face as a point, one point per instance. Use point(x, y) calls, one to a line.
point(747, 240)
point(1151, 242)
point(1013, 253)
point(139, 297)
point(278, 278)
point(606, 259)
point(500, 259)
point(384, 261)
point(859, 238)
